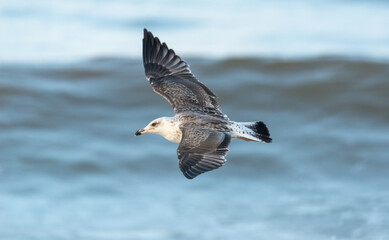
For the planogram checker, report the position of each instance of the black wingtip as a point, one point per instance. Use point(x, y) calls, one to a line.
point(147, 34)
point(159, 60)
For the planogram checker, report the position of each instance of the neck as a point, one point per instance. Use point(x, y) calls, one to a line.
point(170, 130)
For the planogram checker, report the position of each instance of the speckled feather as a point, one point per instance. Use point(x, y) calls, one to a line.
point(203, 130)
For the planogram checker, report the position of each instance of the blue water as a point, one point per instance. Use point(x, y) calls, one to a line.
point(63, 31)
point(73, 93)
point(71, 167)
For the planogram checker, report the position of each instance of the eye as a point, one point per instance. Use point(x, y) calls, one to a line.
point(154, 124)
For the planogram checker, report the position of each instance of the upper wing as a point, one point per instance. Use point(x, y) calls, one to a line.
point(171, 78)
point(202, 150)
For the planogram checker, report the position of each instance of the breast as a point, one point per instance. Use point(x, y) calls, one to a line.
point(174, 136)
point(172, 132)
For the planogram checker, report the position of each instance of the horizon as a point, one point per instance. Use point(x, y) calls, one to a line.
point(68, 31)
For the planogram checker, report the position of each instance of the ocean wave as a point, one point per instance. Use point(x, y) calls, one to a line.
point(92, 108)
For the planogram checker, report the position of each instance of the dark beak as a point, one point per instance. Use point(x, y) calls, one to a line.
point(139, 132)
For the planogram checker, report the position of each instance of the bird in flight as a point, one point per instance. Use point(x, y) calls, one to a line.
point(202, 129)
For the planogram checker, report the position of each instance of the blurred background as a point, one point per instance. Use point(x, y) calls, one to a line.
point(73, 93)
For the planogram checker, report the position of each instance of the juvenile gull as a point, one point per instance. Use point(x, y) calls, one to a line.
point(203, 131)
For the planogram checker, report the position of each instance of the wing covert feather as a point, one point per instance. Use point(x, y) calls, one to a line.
point(171, 78)
point(202, 150)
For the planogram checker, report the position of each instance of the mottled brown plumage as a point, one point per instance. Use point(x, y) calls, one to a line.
point(203, 130)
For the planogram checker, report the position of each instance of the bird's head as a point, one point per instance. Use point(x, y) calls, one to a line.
point(155, 126)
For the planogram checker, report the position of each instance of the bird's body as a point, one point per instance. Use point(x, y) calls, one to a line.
point(170, 127)
point(202, 129)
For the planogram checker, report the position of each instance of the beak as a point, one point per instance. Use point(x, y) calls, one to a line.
point(139, 132)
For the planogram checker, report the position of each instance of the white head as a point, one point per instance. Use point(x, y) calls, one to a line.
point(155, 126)
point(164, 126)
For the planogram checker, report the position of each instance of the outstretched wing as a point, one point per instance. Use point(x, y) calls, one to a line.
point(202, 150)
point(171, 78)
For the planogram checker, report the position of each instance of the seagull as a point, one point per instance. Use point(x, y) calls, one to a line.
point(202, 129)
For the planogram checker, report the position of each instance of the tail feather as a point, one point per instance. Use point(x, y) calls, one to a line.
point(260, 131)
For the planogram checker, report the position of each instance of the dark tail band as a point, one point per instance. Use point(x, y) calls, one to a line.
point(261, 131)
